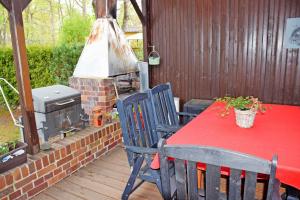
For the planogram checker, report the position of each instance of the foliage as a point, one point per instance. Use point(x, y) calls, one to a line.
point(8, 72)
point(47, 65)
point(75, 29)
point(7, 147)
point(65, 58)
point(8, 131)
point(38, 60)
point(241, 103)
point(40, 75)
point(137, 47)
point(43, 20)
point(133, 20)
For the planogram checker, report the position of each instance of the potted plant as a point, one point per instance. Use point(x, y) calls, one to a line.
point(245, 109)
point(12, 154)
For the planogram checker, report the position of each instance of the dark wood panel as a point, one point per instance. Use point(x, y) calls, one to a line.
point(226, 47)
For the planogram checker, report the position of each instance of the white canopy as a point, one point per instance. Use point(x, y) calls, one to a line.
point(106, 52)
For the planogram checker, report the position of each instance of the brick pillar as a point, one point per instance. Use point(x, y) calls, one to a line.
point(95, 92)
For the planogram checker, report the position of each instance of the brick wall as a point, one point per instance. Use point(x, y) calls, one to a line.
point(95, 92)
point(66, 156)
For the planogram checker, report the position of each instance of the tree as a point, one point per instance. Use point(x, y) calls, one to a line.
point(3, 26)
point(75, 29)
point(126, 15)
point(42, 22)
point(83, 5)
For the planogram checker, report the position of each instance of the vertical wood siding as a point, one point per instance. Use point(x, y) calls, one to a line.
point(212, 48)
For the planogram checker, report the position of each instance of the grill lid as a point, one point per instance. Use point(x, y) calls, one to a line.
point(59, 95)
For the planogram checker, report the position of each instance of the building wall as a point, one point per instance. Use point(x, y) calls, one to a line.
point(212, 48)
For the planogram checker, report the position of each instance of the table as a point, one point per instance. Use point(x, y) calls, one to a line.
point(275, 132)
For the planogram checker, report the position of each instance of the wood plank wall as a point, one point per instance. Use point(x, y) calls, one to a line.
point(210, 48)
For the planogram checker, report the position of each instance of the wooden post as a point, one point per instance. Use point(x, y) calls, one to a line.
point(15, 9)
point(146, 27)
point(146, 6)
point(104, 8)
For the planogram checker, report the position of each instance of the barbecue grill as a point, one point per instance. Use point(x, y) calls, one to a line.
point(57, 111)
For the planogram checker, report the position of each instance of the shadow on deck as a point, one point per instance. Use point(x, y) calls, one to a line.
point(104, 178)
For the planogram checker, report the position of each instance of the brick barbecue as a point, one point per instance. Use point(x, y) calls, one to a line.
point(95, 92)
point(107, 64)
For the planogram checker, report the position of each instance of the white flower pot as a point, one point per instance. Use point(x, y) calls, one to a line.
point(244, 118)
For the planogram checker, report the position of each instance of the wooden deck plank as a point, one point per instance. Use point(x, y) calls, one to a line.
point(108, 165)
point(44, 196)
point(82, 192)
point(111, 191)
point(111, 173)
point(145, 190)
point(59, 193)
point(104, 178)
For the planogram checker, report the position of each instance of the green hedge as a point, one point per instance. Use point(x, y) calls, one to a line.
point(64, 61)
point(47, 65)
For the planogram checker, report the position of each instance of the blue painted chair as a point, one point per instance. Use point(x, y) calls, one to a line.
point(165, 116)
point(140, 139)
point(183, 184)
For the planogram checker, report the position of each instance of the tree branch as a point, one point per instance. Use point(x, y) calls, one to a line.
point(80, 5)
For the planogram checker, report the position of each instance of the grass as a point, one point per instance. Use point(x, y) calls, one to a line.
point(8, 132)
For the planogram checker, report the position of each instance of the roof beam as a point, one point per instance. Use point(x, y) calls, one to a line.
point(25, 4)
point(138, 11)
point(104, 8)
point(146, 7)
point(6, 4)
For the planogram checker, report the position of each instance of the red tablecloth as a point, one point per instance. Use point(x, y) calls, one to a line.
point(275, 132)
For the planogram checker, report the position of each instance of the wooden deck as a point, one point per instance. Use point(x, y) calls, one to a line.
point(103, 179)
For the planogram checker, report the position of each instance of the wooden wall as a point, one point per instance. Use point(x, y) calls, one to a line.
point(210, 48)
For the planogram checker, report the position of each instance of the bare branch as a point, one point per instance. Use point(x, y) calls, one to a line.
point(79, 4)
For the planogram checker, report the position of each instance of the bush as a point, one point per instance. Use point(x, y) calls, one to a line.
point(7, 71)
point(65, 58)
point(47, 65)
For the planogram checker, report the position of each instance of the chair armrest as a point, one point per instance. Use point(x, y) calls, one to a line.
point(186, 114)
point(167, 129)
point(141, 150)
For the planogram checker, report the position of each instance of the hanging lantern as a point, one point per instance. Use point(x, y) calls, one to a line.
point(154, 57)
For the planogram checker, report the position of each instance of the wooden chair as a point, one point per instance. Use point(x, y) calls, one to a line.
point(165, 115)
point(140, 139)
point(185, 182)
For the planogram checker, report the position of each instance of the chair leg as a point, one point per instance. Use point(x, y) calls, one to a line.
point(159, 186)
point(130, 183)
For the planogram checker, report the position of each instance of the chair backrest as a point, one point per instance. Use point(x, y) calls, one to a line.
point(186, 158)
point(164, 107)
point(137, 122)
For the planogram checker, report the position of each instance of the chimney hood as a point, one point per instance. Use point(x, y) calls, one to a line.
point(106, 52)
